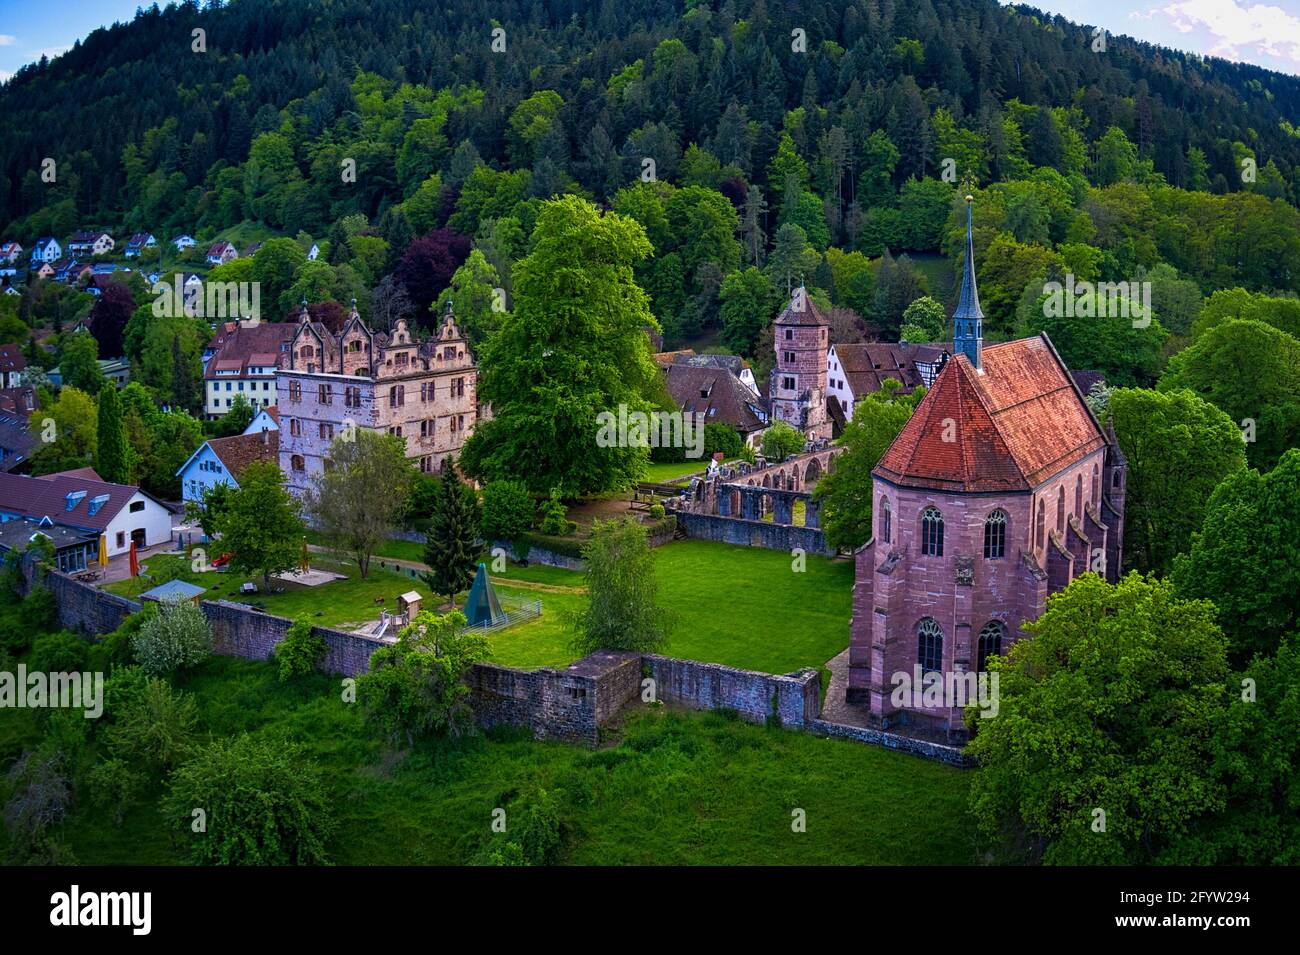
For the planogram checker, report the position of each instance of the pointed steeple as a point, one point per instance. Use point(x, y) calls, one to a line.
point(968, 318)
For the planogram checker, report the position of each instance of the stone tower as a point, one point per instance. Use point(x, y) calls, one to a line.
point(797, 388)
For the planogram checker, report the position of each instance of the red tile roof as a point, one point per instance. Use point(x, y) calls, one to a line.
point(238, 451)
point(11, 358)
point(1010, 426)
point(866, 365)
point(808, 314)
point(237, 347)
point(48, 496)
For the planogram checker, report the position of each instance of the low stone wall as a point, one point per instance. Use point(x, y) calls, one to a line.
point(747, 533)
point(952, 755)
point(241, 631)
point(85, 608)
point(794, 698)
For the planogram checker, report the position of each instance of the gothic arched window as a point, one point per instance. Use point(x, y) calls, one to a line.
point(1060, 510)
point(929, 645)
point(990, 643)
point(995, 535)
point(1078, 496)
point(1096, 487)
point(1041, 523)
point(886, 520)
point(931, 532)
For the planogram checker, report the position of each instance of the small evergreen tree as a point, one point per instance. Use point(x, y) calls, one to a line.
point(451, 544)
point(112, 462)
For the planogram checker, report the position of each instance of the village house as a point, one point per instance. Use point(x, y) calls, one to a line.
point(45, 270)
point(243, 359)
point(424, 392)
point(46, 249)
point(74, 549)
point(138, 243)
point(1001, 488)
point(268, 419)
point(16, 439)
point(733, 363)
point(12, 365)
point(219, 253)
point(9, 252)
point(183, 242)
point(223, 460)
point(716, 392)
point(855, 370)
point(78, 500)
point(90, 243)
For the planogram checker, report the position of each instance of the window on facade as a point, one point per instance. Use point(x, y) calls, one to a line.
point(1078, 496)
point(427, 428)
point(789, 334)
point(1060, 510)
point(789, 357)
point(787, 383)
point(295, 391)
point(990, 644)
point(929, 646)
point(121, 538)
point(458, 388)
point(325, 394)
point(1041, 523)
point(295, 426)
point(886, 520)
point(995, 535)
point(1096, 488)
point(1114, 481)
point(352, 397)
point(297, 463)
point(397, 396)
point(426, 391)
point(931, 532)
point(326, 431)
point(136, 507)
point(426, 464)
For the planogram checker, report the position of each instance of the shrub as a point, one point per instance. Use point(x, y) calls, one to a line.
point(300, 650)
point(151, 724)
point(622, 611)
point(554, 515)
point(534, 833)
point(36, 613)
point(62, 652)
point(724, 438)
point(508, 510)
point(657, 511)
point(176, 638)
point(113, 787)
point(264, 803)
point(781, 440)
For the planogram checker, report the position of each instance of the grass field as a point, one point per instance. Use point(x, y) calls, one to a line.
point(739, 606)
point(678, 788)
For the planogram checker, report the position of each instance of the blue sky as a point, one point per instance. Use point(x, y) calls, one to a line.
point(1265, 32)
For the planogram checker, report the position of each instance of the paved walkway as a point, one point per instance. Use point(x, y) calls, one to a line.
point(836, 709)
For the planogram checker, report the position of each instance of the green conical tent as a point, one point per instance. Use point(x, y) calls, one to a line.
point(482, 608)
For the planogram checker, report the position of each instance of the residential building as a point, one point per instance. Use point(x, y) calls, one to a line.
point(9, 252)
point(855, 370)
point(12, 365)
point(138, 243)
point(268, 419)
point(119, 513)
point(219, 253)
point(46, 249)
point(16, 439)
point(74, 549)
point(90, 243)
point(223, 460)
point(183, 242)
point(733, 363)
point(245, 356)
point(424, 392)
point(720, 396)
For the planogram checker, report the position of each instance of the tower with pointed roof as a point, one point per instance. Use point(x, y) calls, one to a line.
point(968, 317)
point(797, 388)
point(1001, 489)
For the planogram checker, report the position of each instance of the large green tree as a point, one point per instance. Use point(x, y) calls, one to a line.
point(112, 459)
point(261, 523)
point(1246, 557)
point(1100, 750)
point(1178, 448)
point(451, 544)
point(575, 345)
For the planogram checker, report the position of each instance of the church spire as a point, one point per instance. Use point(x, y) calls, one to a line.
point(968, 319)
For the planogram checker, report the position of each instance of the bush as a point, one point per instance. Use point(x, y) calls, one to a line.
point(300, 650)
point(263, 802)
point(151, 724)
point(724, 438)
point(36, 613)
point(113, 787)
point(623, 611)
point(533, 833)
point(62, 652)
point(657, 511)
point(176, 638)
point(508, 510)
point(554, 516)
point(781, 440)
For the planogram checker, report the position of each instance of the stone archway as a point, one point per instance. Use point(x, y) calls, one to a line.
point(812, 473)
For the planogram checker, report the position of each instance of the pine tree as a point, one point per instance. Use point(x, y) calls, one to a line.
point(111, 460)
point(451, 545)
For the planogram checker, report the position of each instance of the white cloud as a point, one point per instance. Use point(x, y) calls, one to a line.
point(7, 40)
point(1236, 27)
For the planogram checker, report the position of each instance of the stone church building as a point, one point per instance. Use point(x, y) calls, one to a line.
point(999, 490)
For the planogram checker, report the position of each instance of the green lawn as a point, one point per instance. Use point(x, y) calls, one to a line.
point(677, 789)
point(739, 606)
point(673, 471)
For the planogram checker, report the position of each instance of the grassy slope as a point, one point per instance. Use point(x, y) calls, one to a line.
point(680, 788)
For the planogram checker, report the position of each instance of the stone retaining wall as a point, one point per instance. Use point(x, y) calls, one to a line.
point(747, 533)
point(795, 698)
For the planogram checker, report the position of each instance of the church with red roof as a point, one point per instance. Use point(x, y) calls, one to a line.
point(1000, 490)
